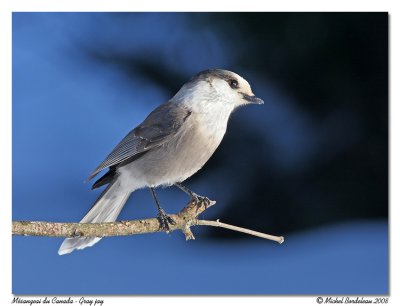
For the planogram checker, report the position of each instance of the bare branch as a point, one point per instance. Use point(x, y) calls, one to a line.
point(217, 223)
point(185, 219)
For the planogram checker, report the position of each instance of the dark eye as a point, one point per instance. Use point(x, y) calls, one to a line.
point(233, 84)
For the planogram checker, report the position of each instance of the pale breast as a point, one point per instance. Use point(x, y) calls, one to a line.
point(181, 157)
point(190, 150)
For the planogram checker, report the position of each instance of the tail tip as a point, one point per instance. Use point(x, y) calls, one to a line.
point(71, 244)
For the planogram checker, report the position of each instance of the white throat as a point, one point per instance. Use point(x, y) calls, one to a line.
point(208, 106)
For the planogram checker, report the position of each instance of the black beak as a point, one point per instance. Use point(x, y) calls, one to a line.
point(252, 99)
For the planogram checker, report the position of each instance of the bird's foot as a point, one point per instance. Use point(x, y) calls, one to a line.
point(201, 201)
point(165, 221)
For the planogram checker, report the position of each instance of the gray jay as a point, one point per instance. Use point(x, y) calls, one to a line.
point(169, 146)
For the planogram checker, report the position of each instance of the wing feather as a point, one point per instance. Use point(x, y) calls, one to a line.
point(159, 127)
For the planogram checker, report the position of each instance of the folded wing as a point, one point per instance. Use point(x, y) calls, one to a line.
point(159, 127)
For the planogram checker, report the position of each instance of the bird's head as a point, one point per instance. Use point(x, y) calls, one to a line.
point(217, 88)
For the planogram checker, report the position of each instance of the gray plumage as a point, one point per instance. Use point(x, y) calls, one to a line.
point(170, 145)
point(159, 127)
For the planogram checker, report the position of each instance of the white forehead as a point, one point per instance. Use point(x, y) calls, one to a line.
point(223, 75)
point(243, 84)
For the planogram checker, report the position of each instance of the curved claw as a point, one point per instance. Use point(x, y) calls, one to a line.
point(165, 221)
point(200, 200)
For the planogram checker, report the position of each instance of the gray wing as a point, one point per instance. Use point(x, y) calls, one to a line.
point(159, 127)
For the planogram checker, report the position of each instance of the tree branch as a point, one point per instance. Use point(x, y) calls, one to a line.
point(184, 220)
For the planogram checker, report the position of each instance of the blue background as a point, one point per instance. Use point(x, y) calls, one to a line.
point(310, 164)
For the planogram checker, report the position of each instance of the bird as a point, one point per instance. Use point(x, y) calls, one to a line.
point(174, 142)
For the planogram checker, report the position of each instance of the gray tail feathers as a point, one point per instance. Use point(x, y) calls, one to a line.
point(105, 209)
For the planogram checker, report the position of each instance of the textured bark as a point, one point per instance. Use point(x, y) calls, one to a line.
point(185, 219)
